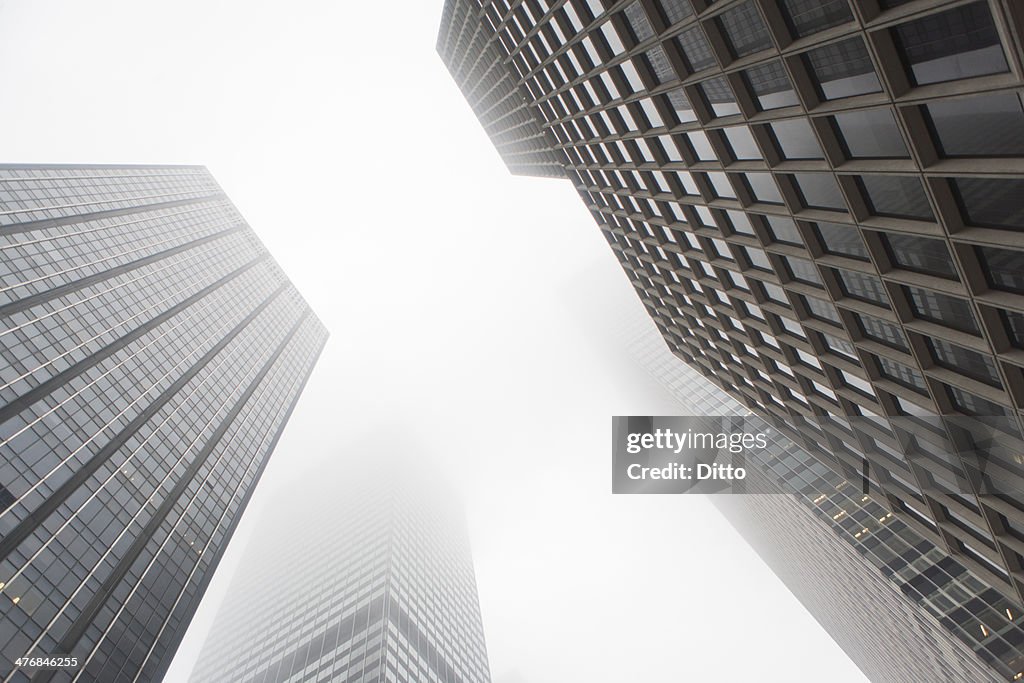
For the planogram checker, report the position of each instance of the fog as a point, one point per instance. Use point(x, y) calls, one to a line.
point(470, 312)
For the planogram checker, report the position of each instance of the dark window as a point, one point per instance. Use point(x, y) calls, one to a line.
point(638, 22)
point(802, 270)
point(942, 309)
point(719, 97)
point(897, 196)
point(820, 191)
point(695, 49)
point(870, 134)
point(1003, 268)
point(763, 187)
point(675, 10)
point(805, 17)
point(771, 86)
point(744, 30)
point(958, 43)
point(783, 229)
point(862, 286)
point(821, 309)
point(680, 106)
point(964, 127)
point(920, 254)
point(901, 374)
point(1014, 327)
point(842, 69)
point(991, 202)
point(795, 139)
point(965, 361)
point(742, 143)
point(882, 332)
point(844, 240)
point(659, 65)
point(839, 346)
point(969, 403)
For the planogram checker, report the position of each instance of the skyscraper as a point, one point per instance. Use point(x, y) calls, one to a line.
point(364, 576)
point(152, 354)
point(819, 204)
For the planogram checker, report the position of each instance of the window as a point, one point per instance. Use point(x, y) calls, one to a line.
point(991, 202)
point(920, 254)
point(802, 270)
point(870, 134)
point(961, 127)
point(804, 17)
point(842, 69)
point(744, 30)
point(1014, 323)
point(902, 374)
point(795, 139)
point(660, 67)
point(638, 22)
point(763, 187)
point(882, 332)
point(843, 240)
point(965, 361)
point(675, 10)
point(972, 404)
point(757, 258)
point(897, 196)
point(719, 97)
point(862, 286)
point(701, 146)
point(783, 229)
point(771, 86)
point(839, 346)
point(680, 105)
point(742, 143)
point(820, 191)
point(1003, 268)
point(821, 309)
point(740, 222)
point(942, 309)
point(955, 44)
point(721, 186)
point(695, 49)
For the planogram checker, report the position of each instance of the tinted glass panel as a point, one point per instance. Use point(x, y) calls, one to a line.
point(796, 139)
point(763, 187)
point(898, 196)
point(920, 254)
point(805, 17)
point(695, 49)
point(974, 405)
point(783, 229)
point(882, 332)
point(844, 240)
point(843, 69)
point(675, 10)
point(744, 30)
point(965, 361)
point(901, 374)
point(821, 309)
point(659, 65)
point(638, 22)
point(870, 134)
point(992, 202)
point(862, 286)
point(1003, 268)
point(942, 309)
point(820, 191)
point(719, 97)
point(1014, 327)
point(963, 127)
point(959, 43)
point(802, 270)
point(681, 106)
point(771, 86)
point(742, 143)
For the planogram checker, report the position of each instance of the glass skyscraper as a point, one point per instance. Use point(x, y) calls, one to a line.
point(152, 352)
point(819, 203)
point(364, 576)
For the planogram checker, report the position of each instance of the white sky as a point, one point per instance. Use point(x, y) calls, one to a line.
point(448, 286)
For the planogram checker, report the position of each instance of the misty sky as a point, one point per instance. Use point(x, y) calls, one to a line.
point(465, 305)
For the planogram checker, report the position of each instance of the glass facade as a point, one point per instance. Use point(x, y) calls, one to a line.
point(152, 353)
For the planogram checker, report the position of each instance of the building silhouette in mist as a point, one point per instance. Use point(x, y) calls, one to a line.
point(152, 354)
point(818, 203)
point(363, 576)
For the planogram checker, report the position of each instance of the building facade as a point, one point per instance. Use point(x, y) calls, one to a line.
point(360, 577)
point(929, 617)
point(152, 352)
point(819, 203)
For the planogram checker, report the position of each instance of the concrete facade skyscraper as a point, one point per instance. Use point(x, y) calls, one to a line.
point(361, 577)
point(152, 352)
point(818, 202)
